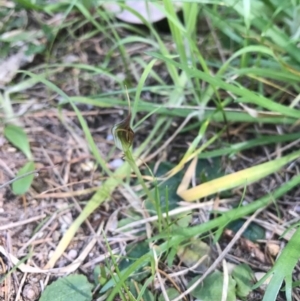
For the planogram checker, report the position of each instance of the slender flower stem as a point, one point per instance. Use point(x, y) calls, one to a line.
point(135, 168)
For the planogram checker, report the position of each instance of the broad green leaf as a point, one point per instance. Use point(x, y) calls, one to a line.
point(72, 287)
point(133, 217)
point(22, 185)
point(193, 252)
point(34, 49)
point(16, 136)
point(212, 286)
point(172, 294)
point(170, 185)
point(118, 280)
point(134, 257)
point(133, 253)
point(243, 275)
point(97, 274)
point(182, 220)
point(209, 170)
point(253, 231)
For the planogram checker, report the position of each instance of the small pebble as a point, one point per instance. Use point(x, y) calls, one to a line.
point(50, 254)
point(269, 234)
point(71, 58)
point(34, 279)
point(87, 166)
point(39, 235)
point(55, 236)
point(30, 292)
point(116, 163)
point(96, 216)
point(61, 204)
point(72, 254)
point(110, 137)
point(65, 221)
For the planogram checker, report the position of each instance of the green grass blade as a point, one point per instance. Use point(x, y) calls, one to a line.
point(283, 270)
point(246, 95)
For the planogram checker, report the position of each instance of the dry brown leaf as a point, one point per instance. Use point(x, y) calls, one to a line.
point(10, 66)
point(190, 172)
point(273, 249)
point(253, 249)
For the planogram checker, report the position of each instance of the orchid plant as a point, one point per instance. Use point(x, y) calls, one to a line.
point(123, 137)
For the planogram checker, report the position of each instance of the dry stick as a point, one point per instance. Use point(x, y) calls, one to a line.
point(173, 212)
point(45, 192)
point(14, 275)
point(192, 268)
point(53, 217)
point(25, 268)
point(5, 168)
point(296, 297)
point(226, 277)
point(170, 279)
point(282, 149)
point(70, 268)
point(222, 255)
point(6, 279)
point(187, 119)
point(68, 194)
point(77, 206)
point(102, 257)
point(27, 221)
point(162, 287)
point(21, 287)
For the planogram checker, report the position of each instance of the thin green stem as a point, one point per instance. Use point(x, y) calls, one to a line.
point(133, 165)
